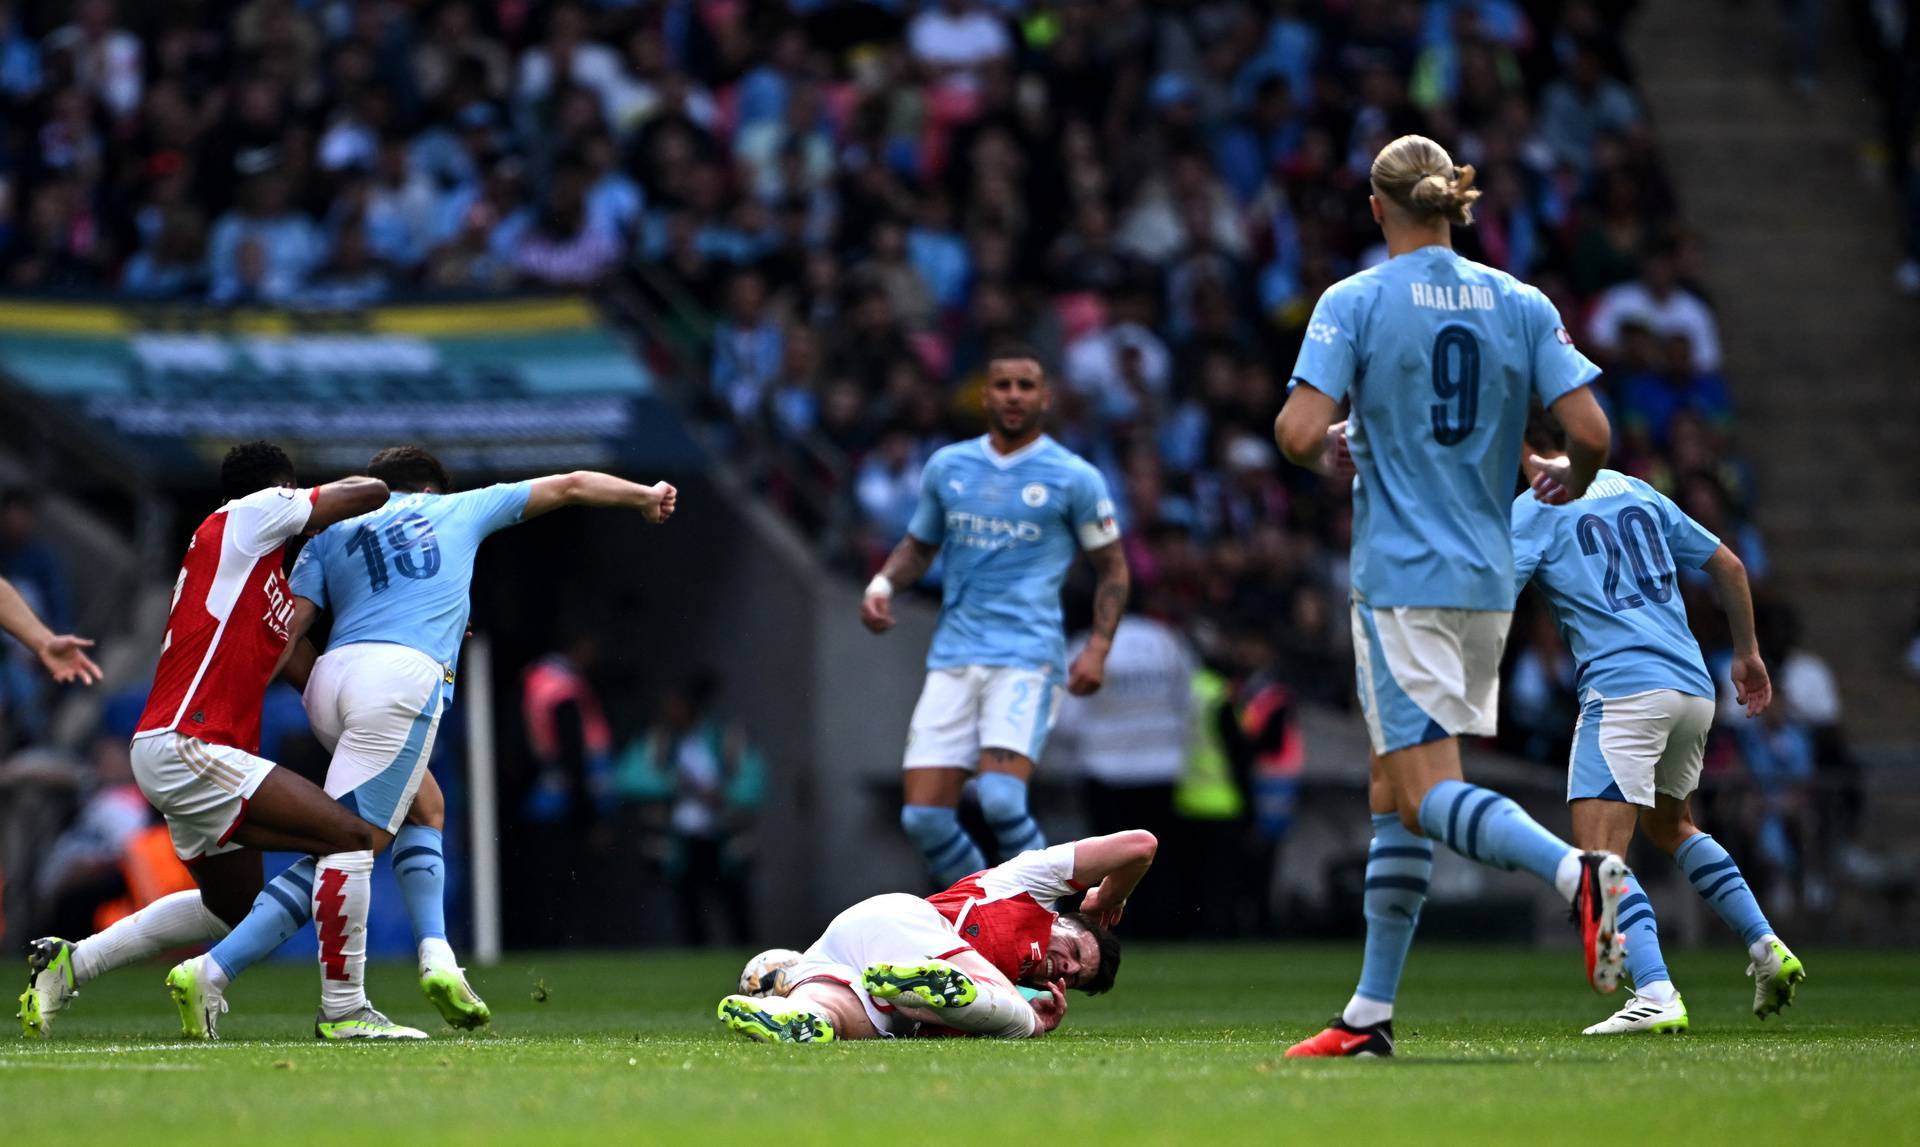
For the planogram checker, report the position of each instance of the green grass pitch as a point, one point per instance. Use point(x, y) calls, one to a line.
point(624, 1049)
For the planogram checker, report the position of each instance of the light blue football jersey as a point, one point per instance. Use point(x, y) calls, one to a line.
point(1608, 565)
point(1008, 528)
point(401, 574)
point(1440, 356)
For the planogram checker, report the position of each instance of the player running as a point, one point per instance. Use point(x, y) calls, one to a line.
point(195, 754)
point(1006, 511)
point(956, 961)
point(1606, 563)
point(396, 580)
point(1440, 357)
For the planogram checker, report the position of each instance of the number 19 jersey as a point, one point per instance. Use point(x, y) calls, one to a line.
point(401, 574)
point(1440, 355)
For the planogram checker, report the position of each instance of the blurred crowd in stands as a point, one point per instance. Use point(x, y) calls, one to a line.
point(833, 211)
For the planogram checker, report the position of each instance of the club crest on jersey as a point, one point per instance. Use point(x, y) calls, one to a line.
point(1034, 495)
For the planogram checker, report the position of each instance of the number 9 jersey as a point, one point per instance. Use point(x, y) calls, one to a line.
point(401, 574)
point(1439, 355)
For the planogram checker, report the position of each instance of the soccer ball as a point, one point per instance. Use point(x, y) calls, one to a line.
point(766, 974)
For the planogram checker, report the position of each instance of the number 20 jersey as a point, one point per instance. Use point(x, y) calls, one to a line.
point(401, 574)
point(1439, 355)
point(1608, 564)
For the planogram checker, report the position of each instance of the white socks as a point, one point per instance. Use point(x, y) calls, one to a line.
point(436, 954)
point(1566, 878)
point(342, 888)
point(1001, 1013)
point(1658, 992)
point(170, 922)
point(1760, 950)
point(1361, 1013)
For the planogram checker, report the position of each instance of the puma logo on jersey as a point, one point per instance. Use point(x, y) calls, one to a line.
point(957, 485)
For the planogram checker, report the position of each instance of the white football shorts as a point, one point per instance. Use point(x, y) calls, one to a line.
point(893, 928)
point(974, 707)
point(201, 789)
point(1427, 674)
point(376, 707)
point(1629, 748)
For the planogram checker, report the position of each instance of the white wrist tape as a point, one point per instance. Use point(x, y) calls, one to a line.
point(880, 586)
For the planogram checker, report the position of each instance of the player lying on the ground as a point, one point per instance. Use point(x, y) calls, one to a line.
point(1607, 563)
point(1007, 510)
point(398, 582)
point(897, 965)
point(194, 755)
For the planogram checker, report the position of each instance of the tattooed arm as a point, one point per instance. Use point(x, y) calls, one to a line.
point(905, 565)
point(1111, 586)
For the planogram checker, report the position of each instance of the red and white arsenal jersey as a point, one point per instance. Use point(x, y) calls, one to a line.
point(231, 618)
point(1006, 913)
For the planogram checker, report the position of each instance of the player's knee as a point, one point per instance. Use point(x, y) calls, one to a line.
point(1410, 818)
point(929, 826)
point(351, 834)
point(428, 813)
point(1002, 797)
point(1666, 832)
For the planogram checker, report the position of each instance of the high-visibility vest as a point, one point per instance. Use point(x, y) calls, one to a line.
point(1206, 790)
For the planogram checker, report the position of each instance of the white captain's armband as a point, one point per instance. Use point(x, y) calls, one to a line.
point(1102, 530)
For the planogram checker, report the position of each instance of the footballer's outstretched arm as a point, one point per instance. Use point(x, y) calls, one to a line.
point(1112, 584)
point(1750, 681)
point(592, 488)
point(1113, 865)
point(63, 654)
point(907, 564)
point(347, 498)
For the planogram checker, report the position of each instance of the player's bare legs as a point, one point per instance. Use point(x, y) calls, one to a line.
point(1776, 971)
point(930, 814)
point(291, 813)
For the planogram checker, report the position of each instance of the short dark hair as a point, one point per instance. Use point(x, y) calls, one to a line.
point(253, 466)
point(409, 469)
point(1009, 350)
point(1109, 952)
point(1544, 432)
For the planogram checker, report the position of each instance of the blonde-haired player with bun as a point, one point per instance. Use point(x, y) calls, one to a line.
point(1439, 358)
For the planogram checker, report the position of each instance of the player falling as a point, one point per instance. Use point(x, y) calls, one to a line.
point(955, 963)
point(195, 754)
point(1440, 357)
point(1607, 564)
point(1006, 510)
point(397, 580)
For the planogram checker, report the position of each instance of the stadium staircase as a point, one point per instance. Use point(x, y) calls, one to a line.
point(1800, 244)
